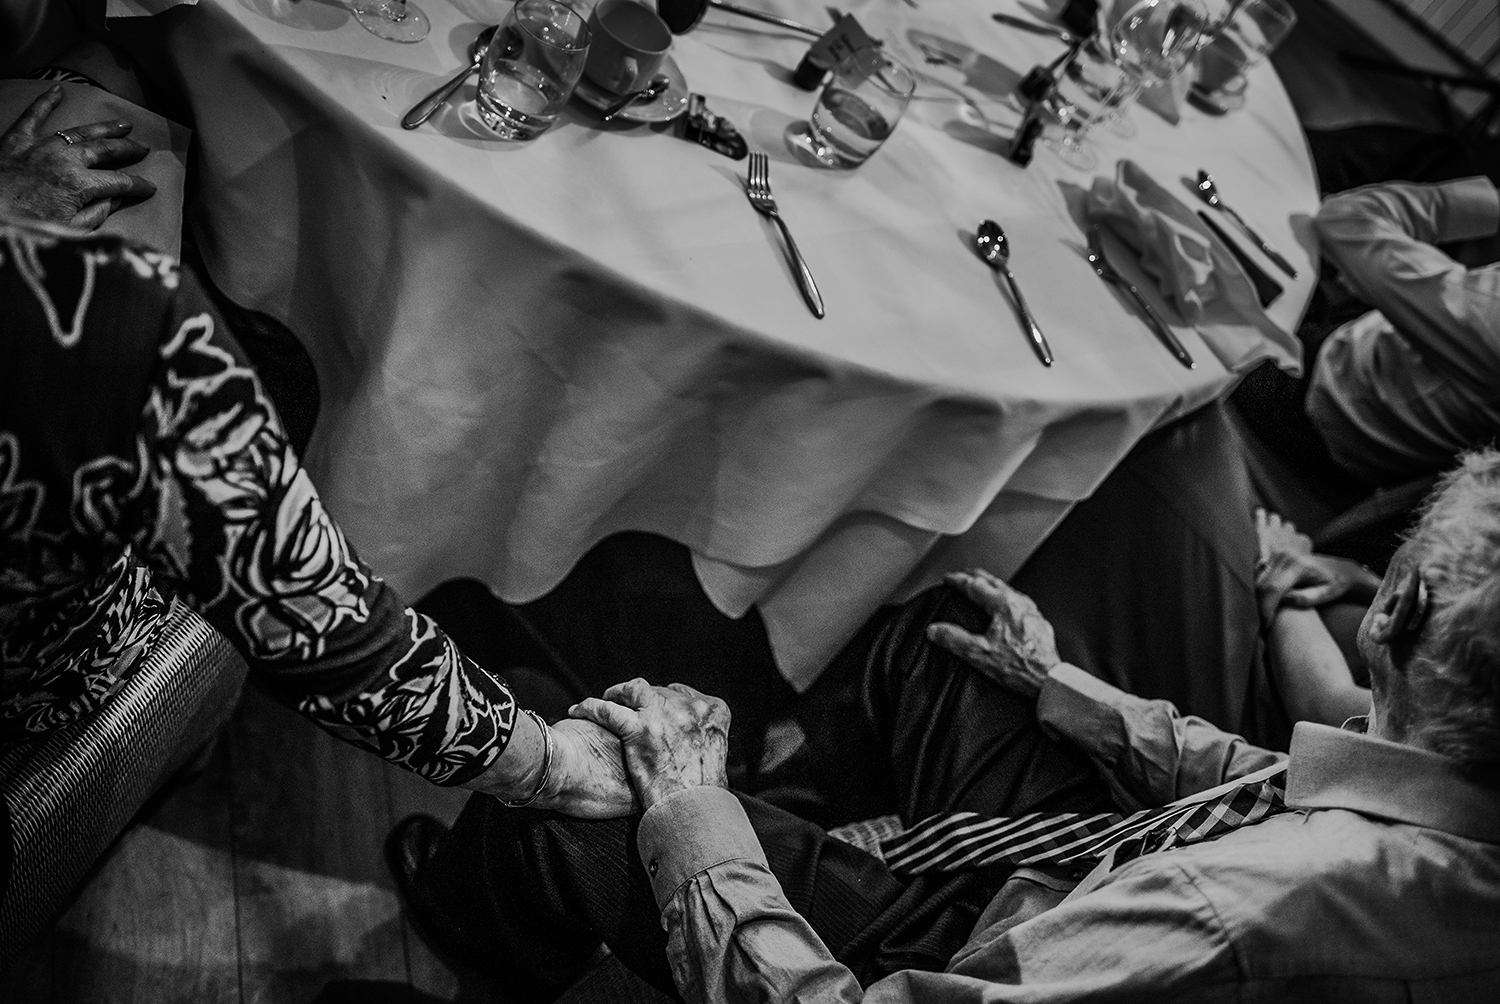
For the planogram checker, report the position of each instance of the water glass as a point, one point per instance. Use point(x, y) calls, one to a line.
point(529, 70)
point(859, 108)
point(1247, 33)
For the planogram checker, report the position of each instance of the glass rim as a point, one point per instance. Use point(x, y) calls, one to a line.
point(578, 43)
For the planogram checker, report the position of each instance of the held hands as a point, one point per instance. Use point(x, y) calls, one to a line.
point(674, 737)
point(43, 175)
point(1017, 651)
point(588, 778)
point(1290, 574)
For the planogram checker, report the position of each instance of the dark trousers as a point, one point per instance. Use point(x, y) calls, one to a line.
point(519, 891)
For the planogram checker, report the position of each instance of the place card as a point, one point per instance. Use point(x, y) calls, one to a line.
point(844, 39)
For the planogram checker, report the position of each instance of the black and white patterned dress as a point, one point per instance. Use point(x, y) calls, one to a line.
point(140, 458)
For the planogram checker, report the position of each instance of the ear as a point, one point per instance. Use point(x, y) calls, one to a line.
point(1403, 609)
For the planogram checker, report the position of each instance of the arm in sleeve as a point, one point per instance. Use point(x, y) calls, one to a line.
point(1148, 933)
point(732, 938)
point(236, 526)
point(731, 934)
point(1147, 752)
point(1382, 239)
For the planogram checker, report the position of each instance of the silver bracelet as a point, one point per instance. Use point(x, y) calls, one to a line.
point(546, 765)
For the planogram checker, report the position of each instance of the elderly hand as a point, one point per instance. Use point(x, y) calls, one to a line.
point(45, 176)
point(674, 737)
point(588, 777)
point(1017, 651)
point(1290, 574)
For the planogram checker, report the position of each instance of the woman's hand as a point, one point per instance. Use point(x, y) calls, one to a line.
point(1018, 650)
point(1289, 574)
point(674, 737)
point(588, 777)
point(47, 177)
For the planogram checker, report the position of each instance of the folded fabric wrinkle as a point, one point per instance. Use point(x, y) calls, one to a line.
point(1195, 272)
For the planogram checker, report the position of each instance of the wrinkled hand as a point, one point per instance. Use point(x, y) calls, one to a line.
point(588, 777)
point(1290, 574)
point(45, 177)
point(674, 737)
point(1017, 651)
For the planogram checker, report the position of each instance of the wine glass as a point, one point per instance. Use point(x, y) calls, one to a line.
point(1088, 85)
point(1152, 42)
point(393, 20)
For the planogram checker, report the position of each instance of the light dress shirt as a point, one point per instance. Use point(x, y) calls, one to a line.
point(1401, 391)
point(1381, 883)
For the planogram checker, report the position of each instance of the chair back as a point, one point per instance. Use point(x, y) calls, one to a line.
point(69, 794)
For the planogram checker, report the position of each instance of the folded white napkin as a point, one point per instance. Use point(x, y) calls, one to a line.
point(1194, 271)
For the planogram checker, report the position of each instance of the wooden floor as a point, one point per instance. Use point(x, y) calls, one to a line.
point(262, 881)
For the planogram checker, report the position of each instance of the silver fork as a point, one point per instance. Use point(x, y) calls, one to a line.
point(758, 191)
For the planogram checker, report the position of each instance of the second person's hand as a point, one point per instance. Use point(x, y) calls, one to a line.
point(68, 176)
point(674, 737)
point(1017, 651)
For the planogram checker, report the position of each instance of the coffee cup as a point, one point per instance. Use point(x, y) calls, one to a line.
point(629, 43)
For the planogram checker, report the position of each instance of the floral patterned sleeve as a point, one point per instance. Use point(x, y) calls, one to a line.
point(237, 526)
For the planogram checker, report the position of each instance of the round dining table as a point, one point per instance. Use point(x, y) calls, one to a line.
point(526, 347)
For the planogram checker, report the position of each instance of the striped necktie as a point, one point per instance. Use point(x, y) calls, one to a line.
point(965, 841)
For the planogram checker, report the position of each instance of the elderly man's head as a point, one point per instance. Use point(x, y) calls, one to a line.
point(1432, 636)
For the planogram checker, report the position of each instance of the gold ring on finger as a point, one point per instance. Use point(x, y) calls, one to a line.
point(65, 137)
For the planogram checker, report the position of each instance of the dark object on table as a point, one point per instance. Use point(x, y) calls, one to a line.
point(844, 39)
point(1266, 288)
point(682, 16)
point(1023, 145)
point(1038, 87)
point(703, 127)
point(1080, 16)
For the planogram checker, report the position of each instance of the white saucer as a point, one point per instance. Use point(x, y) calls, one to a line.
point(663, 108)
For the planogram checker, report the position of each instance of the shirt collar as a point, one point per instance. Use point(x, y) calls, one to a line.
point(1345, 769)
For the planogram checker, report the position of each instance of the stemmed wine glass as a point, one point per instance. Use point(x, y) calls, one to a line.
point(393, 20)
point(1151, 42)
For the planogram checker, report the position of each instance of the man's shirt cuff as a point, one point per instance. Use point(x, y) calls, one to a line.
point(1471, 209)
point(690, 832)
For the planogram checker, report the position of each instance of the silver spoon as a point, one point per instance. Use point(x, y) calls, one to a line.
point(422, 110)
point(1106, 271)
point(1209, 193)
point(650, 92)
point(992, 246)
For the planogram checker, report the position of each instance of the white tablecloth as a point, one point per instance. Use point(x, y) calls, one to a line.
point(526, 347)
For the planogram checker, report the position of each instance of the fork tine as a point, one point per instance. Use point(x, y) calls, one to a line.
point(750, 174)
point(765, 174)
point(755, 173)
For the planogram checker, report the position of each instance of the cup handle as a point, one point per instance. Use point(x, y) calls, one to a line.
point(630, 72)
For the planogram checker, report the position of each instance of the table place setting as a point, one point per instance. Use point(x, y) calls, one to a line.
point(601, 328)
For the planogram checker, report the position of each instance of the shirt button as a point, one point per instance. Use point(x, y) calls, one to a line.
point(652, 868)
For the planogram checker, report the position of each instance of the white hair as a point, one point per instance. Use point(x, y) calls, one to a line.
point(1454, 667)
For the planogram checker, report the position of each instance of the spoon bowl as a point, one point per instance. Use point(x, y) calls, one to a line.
point(650, 92)
point(1207, 190)
point(422, 110)
point(991, 244)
